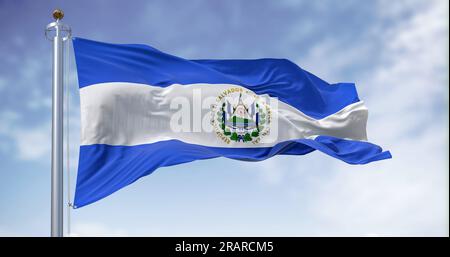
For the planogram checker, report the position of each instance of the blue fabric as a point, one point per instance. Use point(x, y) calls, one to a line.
point(104, 169)
point(101, 62)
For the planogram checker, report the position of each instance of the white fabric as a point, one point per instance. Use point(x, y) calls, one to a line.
point(129, 114)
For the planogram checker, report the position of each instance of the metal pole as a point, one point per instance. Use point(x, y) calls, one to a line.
point(57, 137)
point(57, 203)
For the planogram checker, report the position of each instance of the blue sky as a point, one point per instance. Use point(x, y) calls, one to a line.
point(395, 51)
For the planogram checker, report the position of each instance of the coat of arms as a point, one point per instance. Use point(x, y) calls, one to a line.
point(240, 115)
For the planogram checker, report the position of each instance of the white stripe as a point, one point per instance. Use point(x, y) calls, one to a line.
point(128, 114)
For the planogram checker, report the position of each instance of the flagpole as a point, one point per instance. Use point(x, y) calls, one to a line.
point(57, 32)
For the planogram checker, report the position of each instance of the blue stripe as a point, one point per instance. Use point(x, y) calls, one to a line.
point(104, 169)
point(99, 62)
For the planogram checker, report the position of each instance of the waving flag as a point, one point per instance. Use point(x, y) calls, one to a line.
point(142, 109)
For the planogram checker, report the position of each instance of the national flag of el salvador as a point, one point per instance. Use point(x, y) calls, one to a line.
point(142, 109)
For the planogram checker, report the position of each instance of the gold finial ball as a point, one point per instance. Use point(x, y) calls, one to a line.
point(58, 14)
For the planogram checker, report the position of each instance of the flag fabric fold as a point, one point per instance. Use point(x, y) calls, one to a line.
point(142, 109)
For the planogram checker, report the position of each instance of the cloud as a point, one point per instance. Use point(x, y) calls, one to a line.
point(407, 195)
point(413, 62)
point(33, 143)
point(267, 171)
point(7, 119)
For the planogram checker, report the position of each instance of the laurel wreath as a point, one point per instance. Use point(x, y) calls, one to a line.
point(248, 136)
